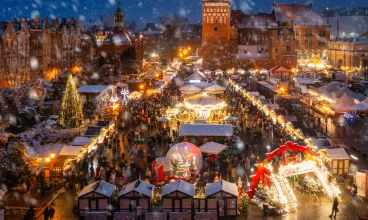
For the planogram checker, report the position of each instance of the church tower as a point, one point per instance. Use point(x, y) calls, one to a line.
point(119, 18)
point(216, 34)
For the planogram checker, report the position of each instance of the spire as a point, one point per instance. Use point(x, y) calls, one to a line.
point(47, 23)
point(119, 7)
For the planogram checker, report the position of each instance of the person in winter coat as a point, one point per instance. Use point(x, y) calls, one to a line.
point(335, 206)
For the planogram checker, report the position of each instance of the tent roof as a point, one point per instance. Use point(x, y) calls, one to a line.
point(81, 141)
point(221, 185)
point(230, 119)
point(215, 87)
point(203, 85)
point(100, 187)
point(70, 150)
point(204, 100)
point(345, 103)
point(206, 130)
point(189, 88)
point(212, 148)
point(337, 153)
point(363, 105)
point(279, 69)
point(138, 186)
point(179, 185)
point(196, 76)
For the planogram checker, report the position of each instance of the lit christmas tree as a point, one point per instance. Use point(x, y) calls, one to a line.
point(71, 106)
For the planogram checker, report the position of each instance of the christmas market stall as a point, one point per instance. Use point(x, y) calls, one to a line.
point(96, 198)
point(178, 196)
point(82, 141)
point(136, 194)
point(97, 94)
point(197, 133)
point(336, 159)
point(222, 197)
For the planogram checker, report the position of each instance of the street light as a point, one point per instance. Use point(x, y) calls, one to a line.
point(47, 159)
point(52, 155)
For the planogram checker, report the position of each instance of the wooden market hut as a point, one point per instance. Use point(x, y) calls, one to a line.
point(178, 196)
point(222, 197)
point(95, 197)
point(134, 194)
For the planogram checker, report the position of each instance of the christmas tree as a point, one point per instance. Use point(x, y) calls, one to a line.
point(71, 106)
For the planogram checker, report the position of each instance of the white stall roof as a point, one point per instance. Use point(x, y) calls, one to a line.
point(206, 130)
point(70, 150)
point(337, 153)
point(221, 185)
point(100, 187)
point(179, 185)
point(81, 141)
point(138, 186)
point(212, 148)
point(254, 93)
point(92, 88)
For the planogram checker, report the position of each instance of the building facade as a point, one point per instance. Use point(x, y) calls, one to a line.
point(347, 23)
point(215, 49)
point(347, 52)
point(117, 40)
point(289, 32)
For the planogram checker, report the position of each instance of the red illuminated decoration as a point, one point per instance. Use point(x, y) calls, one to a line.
point(262, 172)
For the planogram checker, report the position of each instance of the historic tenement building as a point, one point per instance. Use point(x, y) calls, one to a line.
point(216, 34)
point(347, 52)
point(262, 40)
point(118, 40)
point(38, 49)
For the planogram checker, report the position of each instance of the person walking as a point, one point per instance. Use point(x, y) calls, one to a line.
point(46, 214)
point(51, 212)
point(335, 206)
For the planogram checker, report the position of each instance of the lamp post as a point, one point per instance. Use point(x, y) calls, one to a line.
point(124, 92)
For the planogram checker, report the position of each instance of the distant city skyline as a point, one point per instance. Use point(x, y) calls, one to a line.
point(144, 11)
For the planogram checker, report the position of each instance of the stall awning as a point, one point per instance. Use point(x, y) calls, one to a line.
point(206, 130)
point(337, 153)
point(70, 151)
point(212, 148)
point(93, 131)
point(321, 142)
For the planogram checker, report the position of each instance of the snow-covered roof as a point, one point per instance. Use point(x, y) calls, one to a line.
point(100, 187)
point(196, 76)
point(70, 151)
point(215, 87)
point(180, 186)
point(345, 104)
point(203, 85)
point(92, 88)
point(363, 105)
point(189, 88)
point(321, 142)
point(337, 153)
point(118, 35)
point(206, 130)
point(212, 148)
point(299, 14)
point(81, 141)
point(256, 21)
point(306, 81)
point(279, 69)
point(138, 186)
point(221, 185)
point(204, 100)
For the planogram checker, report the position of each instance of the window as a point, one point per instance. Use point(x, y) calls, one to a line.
point(308, 33)
point(321, 33)
point(297, 33)
point(215, 29)
point(288, 48)
point(321, 43)
point(308, 43)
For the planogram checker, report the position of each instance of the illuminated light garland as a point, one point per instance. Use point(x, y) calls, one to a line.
point(71, 106)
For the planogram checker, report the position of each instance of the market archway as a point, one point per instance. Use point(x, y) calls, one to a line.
point(311, 164)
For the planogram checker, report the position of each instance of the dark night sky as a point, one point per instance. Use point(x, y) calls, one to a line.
point(143, 11)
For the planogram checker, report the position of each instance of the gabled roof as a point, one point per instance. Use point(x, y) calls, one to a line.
point(344, 104)
point(206, 130)
point(70, 151)
point(118, 35)
point(196, 76)
point(215, 87)
point(256, 21)
point(300, 14)
point(180, 186)
point(151, 29)
point(221, 185)
point(279, 69)
point(100, 187)
point(321, 142)
point(337, 153)
point(138, 186)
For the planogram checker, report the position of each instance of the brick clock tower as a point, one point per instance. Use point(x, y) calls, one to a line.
point(216, 34)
